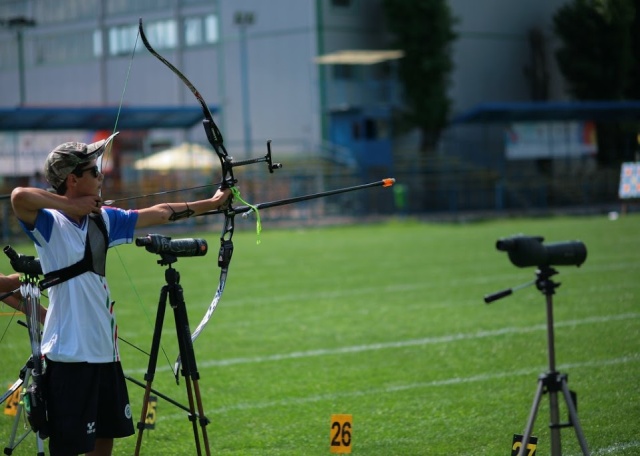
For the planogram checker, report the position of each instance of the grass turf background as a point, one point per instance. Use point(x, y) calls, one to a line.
point(385, 322)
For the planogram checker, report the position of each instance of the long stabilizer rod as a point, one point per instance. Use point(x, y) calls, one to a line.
point(387, 182)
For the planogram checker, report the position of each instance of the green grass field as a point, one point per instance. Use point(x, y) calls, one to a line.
point(385, 322)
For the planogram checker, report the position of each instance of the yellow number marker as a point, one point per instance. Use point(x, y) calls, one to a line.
point(11, 407)
point(516, 446)
point(152, 413)
point(341, 433)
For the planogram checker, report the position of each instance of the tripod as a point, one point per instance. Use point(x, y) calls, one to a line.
point(551, 382)
point(25, 376)
point(173, 289)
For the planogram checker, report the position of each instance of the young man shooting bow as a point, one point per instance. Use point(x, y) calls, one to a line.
point(87, 399)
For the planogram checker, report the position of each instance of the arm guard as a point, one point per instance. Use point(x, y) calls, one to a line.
point(181, 214)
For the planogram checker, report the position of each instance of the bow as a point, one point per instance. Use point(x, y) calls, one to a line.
point(33, 396)
point(228, 180)
point(214, 136)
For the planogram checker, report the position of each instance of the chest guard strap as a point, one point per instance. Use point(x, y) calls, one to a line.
point(95, 255)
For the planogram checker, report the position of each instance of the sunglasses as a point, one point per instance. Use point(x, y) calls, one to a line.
point(95, 171)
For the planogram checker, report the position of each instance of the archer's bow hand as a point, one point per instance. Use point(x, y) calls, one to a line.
point(222, 198)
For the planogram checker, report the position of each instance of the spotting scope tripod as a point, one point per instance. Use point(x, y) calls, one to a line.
point(551, 382)
point(174, 291)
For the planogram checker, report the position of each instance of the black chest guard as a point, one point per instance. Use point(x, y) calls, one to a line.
point(95, 255)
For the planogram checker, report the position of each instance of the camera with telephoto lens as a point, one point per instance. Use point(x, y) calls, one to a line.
point(156, 243)
point(526, 251)
point(22, 263)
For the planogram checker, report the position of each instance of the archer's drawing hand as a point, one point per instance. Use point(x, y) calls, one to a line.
point(85, 205)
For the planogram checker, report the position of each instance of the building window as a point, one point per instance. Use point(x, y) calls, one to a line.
point(122, 39)
point(193, 33)
point(201, 30)
point(56, 11)
point(211, 31)
point(163, 34)
point(97, 43)
point(370, 129)
point(71, 47)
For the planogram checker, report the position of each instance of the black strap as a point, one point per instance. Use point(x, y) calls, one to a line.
point(95, 255)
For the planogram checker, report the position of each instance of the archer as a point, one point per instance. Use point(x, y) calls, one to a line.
point(72, 230)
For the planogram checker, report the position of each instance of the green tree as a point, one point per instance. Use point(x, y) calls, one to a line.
point(597, 59)
point(634, 90)
point(423, 29)
point(596, 55)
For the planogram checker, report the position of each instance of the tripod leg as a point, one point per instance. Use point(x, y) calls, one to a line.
point(13, 442)
point(532, 416)
point(151, 368)
point(193, 417)
point(40, 445)
point(573, 414)
point(556, 442)
point(14, 428)
point(203, 420)
point(189, 369)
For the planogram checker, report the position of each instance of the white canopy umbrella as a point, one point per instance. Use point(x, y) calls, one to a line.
point(186, 156)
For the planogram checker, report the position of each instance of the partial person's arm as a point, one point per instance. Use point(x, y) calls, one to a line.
point(11, 283)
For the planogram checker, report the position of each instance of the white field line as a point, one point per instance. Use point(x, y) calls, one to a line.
point(390, 288)
point(398, 286)
point(400, 344)
point(616, 448)
point(287, 402)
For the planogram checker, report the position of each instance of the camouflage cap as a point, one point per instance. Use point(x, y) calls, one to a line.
point(67, 156)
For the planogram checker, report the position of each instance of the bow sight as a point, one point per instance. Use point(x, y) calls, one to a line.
point(265, 159)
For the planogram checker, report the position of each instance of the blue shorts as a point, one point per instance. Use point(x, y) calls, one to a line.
point(85, 401)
